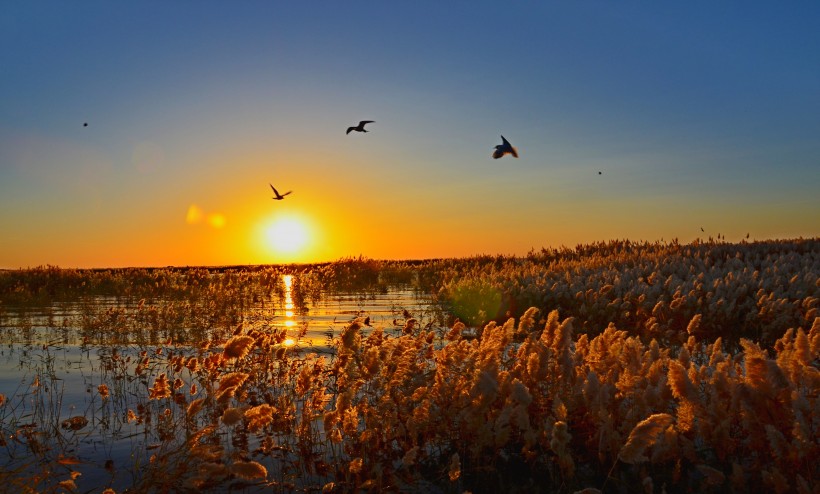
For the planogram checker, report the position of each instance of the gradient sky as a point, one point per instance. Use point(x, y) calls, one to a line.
point(698, 115)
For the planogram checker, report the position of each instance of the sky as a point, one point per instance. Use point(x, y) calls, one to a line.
point(633, 120)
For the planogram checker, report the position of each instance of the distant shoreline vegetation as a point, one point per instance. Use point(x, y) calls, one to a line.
point(746, 289)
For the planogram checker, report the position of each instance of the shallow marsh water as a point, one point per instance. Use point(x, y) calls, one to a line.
point(51, 372)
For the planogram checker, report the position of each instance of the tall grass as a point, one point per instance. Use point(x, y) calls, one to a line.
point(616, 367)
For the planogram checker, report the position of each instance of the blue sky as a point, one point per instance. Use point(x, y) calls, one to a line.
point(696, 115)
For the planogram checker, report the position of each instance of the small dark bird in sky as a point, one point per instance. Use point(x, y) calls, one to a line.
point(85, 124)
point(278, 196)
point(504, 148)
point(701, 229)
point(599, 173)
point(360, 127)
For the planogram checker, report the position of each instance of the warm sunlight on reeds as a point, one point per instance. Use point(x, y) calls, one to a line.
point(613, 367)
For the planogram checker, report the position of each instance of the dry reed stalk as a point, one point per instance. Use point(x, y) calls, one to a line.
point(643, 436)
point(454, 470)
point(194, 407)
point(238, 346)
point(160, 389)
point(249, 470)
point(232, 416)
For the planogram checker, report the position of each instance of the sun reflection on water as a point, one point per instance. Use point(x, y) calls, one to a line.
point(289, 323)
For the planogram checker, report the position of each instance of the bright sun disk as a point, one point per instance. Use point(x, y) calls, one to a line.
point(286, 235)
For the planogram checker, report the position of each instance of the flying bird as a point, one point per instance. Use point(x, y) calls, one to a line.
point(360, 127)
point(278, 196)
point(85, 124)
point(504, 148)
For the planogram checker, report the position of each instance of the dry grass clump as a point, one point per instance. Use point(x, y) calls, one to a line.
point(556, 410)
point(664, 291)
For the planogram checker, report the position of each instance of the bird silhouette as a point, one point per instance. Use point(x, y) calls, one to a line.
point(278, 196)
point(504, 148)
point(599, 173)
point(85, 124)
point(360, 127)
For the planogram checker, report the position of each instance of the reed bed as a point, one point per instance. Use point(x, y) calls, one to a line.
point(613, 367)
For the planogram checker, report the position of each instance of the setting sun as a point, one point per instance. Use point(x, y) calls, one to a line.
point(287, 236)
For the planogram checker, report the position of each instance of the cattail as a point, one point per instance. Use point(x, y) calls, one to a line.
point(559, 443)
point(329, 420)
point(486, 386)
point(356, 465)
point(455, 332)
point(237, 347)
point(232, 416)
point(350, 420)
point(454, 472)
point(685, 416)
point(259, 416)
point(643, 436)
point(371, 362)
point(527, 321)
point(717, 353)
point(249, 470)
point(350, 336)
point(68, 485)
point(559, 409)
point(814, 333)
point(550, 328)
point(682, 387)
point(232, 380)
point(194, 407)
point(694, 325)
point(160, 389)
point(775, 375)
point(520, 393)
point(802, 347)
point(409, 457)
point(225, 395)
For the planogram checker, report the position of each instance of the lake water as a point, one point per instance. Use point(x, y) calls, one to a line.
point(50, 372)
